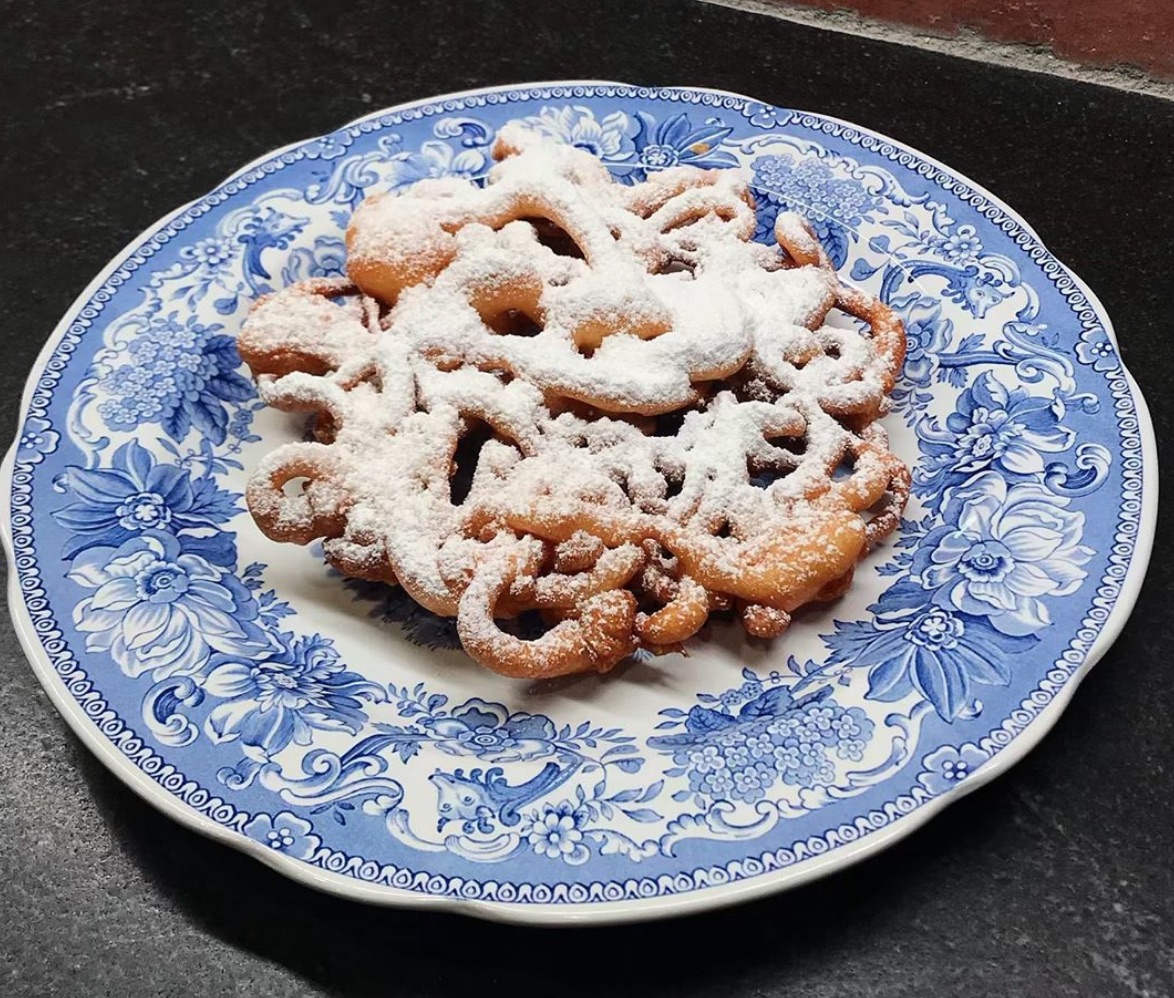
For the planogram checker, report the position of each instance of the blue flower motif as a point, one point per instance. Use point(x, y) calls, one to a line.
point(759, 744)
point(851, 749)
point(852, 723)
point(675, 142)
point(329, 146)
point(1002, 550)
point(490, 732)
point(180, 374)
point(239, 426)
point(717, 784)
point(937, 652)
point(284, 833)
point(135, 495)
point(435, 159)
point(773, 739)
point(556, 832)
point(819, 720)
point(704, 759)
point(993, 428)
point(750, 783)
point(37, 439)
point(750, 689)
point(610, 138)
point(1097, 350)
point(960, 246)
point(160, 609)
point(281, 698)
point(762, 115)
point(737, 752)
point(949, 766)
point(803, 763)
point(927, 335)
point(327, 258)
point(212, 254)
point(834, 206)
point(810, 185)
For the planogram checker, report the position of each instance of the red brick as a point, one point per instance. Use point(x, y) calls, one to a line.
point(1094, 32)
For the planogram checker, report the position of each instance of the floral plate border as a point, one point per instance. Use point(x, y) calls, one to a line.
point(634, 898)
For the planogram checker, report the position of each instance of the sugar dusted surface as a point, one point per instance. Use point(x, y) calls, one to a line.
point(666, 308)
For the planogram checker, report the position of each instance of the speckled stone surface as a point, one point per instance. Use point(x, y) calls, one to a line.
point(1057, 880)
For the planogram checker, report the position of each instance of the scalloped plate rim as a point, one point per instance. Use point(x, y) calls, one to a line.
point(594, 913)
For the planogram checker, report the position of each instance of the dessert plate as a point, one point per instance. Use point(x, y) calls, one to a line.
point(337, 733)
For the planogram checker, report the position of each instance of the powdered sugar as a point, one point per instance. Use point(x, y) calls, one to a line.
point(569, 360)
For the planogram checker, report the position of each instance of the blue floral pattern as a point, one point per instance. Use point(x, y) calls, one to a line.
point(774, 736)
point(489, 732)
point(284, 698)
point(285, 833)
point(834, 205)
point(676, 141)
point(322, 746)
point(136, 494)
point(36, 440)
point(1003, 550)
point(160, 609)
point(555, 832)
point(993, 428)
point(1097, 350)
point(949, 766)
point(179, 373)
point(608, 137)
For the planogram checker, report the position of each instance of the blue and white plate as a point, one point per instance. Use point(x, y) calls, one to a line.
point(335, 732)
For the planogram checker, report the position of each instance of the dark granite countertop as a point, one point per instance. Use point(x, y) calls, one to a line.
point(1058, 879)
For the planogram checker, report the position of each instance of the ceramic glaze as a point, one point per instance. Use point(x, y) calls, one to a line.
point(335, 730)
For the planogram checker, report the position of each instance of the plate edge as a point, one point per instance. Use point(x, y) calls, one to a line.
point(607, 912)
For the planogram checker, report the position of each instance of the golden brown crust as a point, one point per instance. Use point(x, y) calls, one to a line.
point(625, 520)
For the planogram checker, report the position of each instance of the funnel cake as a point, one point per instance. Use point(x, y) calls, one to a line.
point(605, 403)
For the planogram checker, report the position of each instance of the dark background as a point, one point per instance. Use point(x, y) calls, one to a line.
point(1056, 880)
